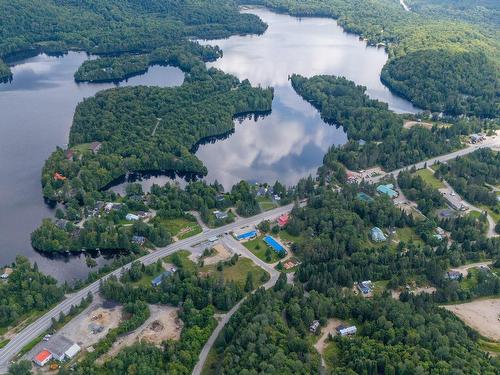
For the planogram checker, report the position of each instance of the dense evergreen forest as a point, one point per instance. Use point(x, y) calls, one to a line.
point(475, 176)
point(438, 62)
point(112, 27)
point(385, 141)
point(27, 290)
point(267, 335)
point(148, 128)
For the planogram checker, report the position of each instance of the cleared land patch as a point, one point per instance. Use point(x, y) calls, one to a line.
point(482, 315)
point(163, 324)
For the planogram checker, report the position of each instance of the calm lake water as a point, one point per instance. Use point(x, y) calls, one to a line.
point(36, 109)
point(38, 105)
point(290, 143)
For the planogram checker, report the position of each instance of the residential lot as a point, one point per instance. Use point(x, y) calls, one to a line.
point(482, 315)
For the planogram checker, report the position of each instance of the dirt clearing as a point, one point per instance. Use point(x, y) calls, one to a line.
point(325, 331)
point(163, 324)
point(93, 323)
point(221, 254)
point(482, 315)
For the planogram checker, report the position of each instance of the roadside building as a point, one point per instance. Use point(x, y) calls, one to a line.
point(283, 220)
point(388, 190)
point(42, 358)
point(314, 326)
point(346, 331)
point(247, 235)
point(132, 217)
point(139, 240)
point(377, 235)
point(275, 245)
point(61, 348)
point(159, 279)
point(220, 215)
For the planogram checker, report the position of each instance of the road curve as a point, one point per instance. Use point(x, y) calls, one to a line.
point(44, 322)
point(237, 248)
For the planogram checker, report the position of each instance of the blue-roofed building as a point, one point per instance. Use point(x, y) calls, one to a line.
point(377, 235)
point(275, 245)
point(158, 279)
point(247, 236)
point(388, 190)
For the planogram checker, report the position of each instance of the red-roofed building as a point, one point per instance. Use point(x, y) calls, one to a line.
point(42, 358)
point(59, 177)
point(283, 220)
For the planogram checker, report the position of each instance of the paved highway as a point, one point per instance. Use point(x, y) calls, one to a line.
point(43, 323)
point(491, 142)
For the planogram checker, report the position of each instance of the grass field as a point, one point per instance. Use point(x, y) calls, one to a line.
point(81, 148)
point(211, 362)
point(181, 227)
point(489, 346)
point(238, 272)
point(380, 286)
point(182, 255)
point(408, 235)
point(266, 204)
point(493, 214)
point(429, 178)
point(285, 236)
point(259, 248)
point(331, 354)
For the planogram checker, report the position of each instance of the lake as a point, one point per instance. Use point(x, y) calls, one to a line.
point(37, 108)
point(290, 143)
point(38, 105)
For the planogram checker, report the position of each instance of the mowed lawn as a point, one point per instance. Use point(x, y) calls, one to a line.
point(259, 248)
point(429, 178)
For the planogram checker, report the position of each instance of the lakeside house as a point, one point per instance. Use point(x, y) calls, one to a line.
point(6, 273)
point(59, 177)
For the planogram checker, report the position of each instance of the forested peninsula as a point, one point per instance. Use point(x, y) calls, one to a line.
point(136, 129)
point(114, 27)
point(376, 134)
point(440, 60)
